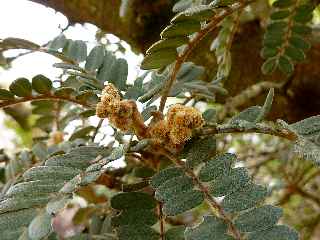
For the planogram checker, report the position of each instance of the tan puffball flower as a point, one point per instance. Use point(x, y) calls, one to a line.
point(111, 90)
point(179, 115)
point(122, 123)
point(160, 131)
point(179, 135)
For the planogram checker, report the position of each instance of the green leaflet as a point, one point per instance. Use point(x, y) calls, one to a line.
point(40, 226)
point(250, 115)
point(258, 219)
point(118, 74)
point(180, 29)
point(211, 228)
point(135, 216)
point(277, 232)
point(219, 166)
point(55, 173)
point(198, 13)
point(245, 198)
point(34, 187)
point(21, 87)
point(95, 58)
point(105, 69)
point(165, 175)
point(173, 187)
point(12, 221)
point(14, 204)
point(11, 235)
point(6, 95)
point(197, 151)
point(227, 184)
point(82, 133)
point(181, 5)
point(175, 233)
point(58, 42)
point(41, 84)
point(182, 202)
point(64, 91)
point(123, 201)
point(307, 127)
point(167, 43)
point(135, 232)
point(159, 59)
point(77, 50)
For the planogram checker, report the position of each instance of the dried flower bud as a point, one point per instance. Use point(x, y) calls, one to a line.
point(111, 90)
point(179, 135)
point(160, 131)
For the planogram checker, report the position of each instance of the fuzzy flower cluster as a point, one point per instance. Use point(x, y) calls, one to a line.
point(178, 126)
point(122, 114)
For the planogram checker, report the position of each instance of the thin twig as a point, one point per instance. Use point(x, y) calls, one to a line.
point(162, 221)
point(97, 129)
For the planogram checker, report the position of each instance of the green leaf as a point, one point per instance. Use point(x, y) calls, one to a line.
point(14, 204)
point(40, 226)
point(224, 185)
point(82, 133)
point(281, 14)
point(165, 175)
point(277, 232)
point(183, 202)
point(21, 87)
point(258, 219)
point(198, 13)
point(175, 233)
point(295, 54)
point(159, 59)
point(143, 172)
point(266, 108)
point(301, 29)
point(64, 91)
point(245, 198)
point(197, 151)
point(77, 50)
point(285, 65)
point(299, 42)
point(56, 173)
point(6, 95)
point(269, 66)
point(105, 69)
point(307, 127)
point(131, 200)
point(41, 84)
point(180, 29)
point(212, 228)
point(118, 74)
point(267, 52)
point(173, 187)
point(13, 220)
point(58, 42)
point(167, 43)
point(95, 58)
point(217, 167)
point(136, 232)
point(37, 187)
point(283, 3)
point(135, 216)
point(250, 115)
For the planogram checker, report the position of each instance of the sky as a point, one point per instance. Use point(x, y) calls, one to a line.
point(36, 23)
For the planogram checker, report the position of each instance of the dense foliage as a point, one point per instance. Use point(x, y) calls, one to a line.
point(180, 179)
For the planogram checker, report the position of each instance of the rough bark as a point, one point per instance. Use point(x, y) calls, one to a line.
point(300, 98)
